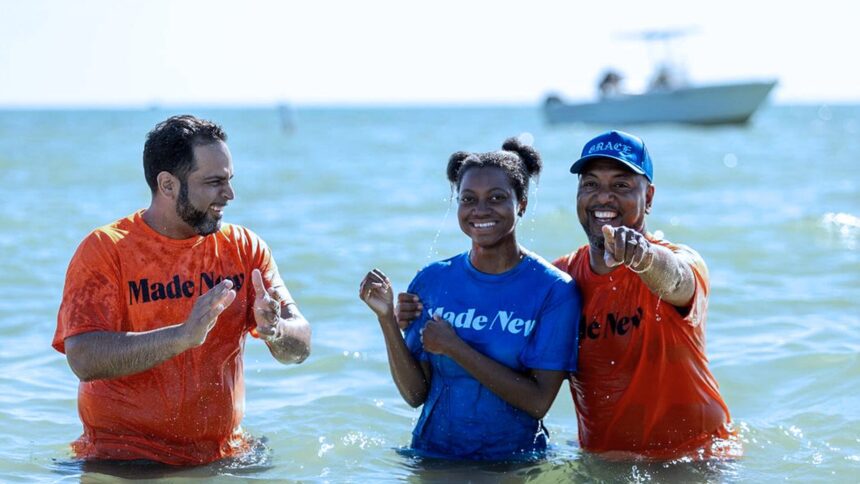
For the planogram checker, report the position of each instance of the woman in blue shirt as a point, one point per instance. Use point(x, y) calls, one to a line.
point(498, 330)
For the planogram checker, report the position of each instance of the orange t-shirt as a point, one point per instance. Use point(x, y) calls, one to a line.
point(643, 386)
point(127, 277)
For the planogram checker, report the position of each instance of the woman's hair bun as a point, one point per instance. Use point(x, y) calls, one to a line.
point(529, 156)
point(455, 163)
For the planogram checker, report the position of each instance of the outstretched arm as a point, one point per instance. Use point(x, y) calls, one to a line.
point(412, 379)
point(665, 274)
point(107, 354)
point(280, 324)
point(533, 392)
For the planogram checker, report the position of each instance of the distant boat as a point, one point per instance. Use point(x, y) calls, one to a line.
point(669, 98)
point(712, 104)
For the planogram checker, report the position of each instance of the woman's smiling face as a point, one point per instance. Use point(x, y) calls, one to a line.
point(487, 206)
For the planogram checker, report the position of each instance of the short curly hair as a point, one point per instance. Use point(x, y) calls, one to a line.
point(170, 146)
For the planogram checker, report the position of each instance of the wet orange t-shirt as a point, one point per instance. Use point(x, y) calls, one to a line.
point(643, 386)
point(127, 277)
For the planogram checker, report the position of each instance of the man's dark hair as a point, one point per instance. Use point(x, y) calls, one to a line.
point(170, 146)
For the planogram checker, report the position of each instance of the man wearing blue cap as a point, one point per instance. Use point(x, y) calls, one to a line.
point(643, 387)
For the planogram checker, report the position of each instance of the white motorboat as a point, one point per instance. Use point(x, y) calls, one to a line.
point(732, 103)
point(669, 97)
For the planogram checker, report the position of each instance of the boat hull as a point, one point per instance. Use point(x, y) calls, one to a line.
point(716, 104)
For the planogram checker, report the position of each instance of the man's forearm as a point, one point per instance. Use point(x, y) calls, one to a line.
point(293, 345)
point(107, 354)
point(668, 277)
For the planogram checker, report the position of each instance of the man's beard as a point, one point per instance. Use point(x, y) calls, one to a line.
point(595, 239)
point(203, 222)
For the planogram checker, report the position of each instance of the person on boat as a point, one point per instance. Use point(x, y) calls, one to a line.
point(664, 79)
point(498, 330)
point(642, 387)
point(156, 309)
point(610, 84)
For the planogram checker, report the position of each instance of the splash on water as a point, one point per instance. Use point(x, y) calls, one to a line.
point(533, 210)
point(844, 226)
point(433, 252)
point(324, 447)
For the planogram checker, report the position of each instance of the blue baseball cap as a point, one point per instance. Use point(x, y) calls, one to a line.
point(617, 145)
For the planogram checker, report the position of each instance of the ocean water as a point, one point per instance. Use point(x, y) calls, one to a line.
point(774, 208)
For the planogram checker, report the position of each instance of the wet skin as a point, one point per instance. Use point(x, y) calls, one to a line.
point(487, 211)
point(207, 189)
point(610, 194)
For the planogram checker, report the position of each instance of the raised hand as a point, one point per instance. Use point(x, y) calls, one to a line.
point(267, 307)
point(408, 309)
point(438, 336)
point(205, 312)
point(623, 245)
point(375, 290)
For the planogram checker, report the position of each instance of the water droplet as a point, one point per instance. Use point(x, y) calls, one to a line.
point(526, 138)
point(433, 251)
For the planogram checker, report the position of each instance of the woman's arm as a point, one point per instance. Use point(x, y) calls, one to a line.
point(412, 379)
point(533, 392)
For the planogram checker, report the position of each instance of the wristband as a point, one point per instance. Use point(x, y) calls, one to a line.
point(647, 268)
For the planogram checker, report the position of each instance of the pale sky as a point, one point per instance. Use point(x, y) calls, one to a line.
point(139, 53)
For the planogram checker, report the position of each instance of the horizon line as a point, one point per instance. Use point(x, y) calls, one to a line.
point(156, 106)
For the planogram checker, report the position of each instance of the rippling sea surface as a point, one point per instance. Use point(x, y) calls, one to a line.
point(773, 207)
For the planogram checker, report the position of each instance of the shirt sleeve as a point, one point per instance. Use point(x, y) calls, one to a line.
point(562, 263)
point(698, 308)
point(91, 295)
point(554, 344)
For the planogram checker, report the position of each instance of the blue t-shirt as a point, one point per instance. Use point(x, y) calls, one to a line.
point(525, 318)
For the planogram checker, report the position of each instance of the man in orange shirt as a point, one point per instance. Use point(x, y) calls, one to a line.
point(643, 387)
point(156, 307)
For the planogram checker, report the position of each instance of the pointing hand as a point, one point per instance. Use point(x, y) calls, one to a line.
point(623, 245)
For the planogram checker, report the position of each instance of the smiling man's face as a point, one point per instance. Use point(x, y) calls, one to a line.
point(611, 194)
point(207, 189)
